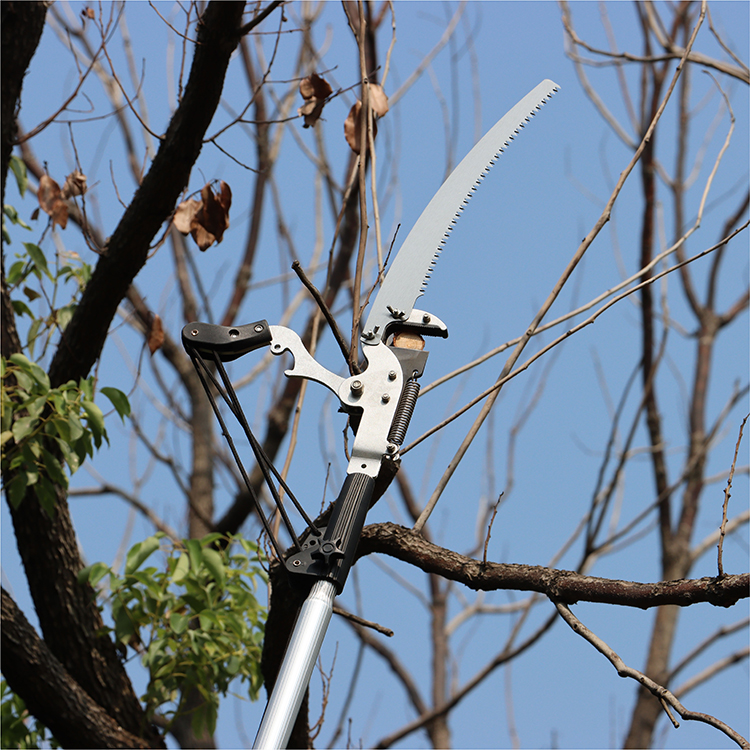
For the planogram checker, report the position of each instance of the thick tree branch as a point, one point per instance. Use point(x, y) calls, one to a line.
point(155, 199)
point(49, 691)
point(560, 585)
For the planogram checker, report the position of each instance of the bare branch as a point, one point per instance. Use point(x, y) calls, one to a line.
point(664, 695)
point(727, 495)
point(560, 585)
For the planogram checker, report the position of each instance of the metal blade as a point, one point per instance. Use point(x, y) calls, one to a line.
point(410, 271)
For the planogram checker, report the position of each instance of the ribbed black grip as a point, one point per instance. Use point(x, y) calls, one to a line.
point(331, 556)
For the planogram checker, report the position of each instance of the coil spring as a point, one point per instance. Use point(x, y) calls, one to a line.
point(404, 410)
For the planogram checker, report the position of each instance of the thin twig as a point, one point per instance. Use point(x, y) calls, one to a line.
point(489, 528)
point(316, 295)
point(361, 621)
point(727, 495)
point(504, 378)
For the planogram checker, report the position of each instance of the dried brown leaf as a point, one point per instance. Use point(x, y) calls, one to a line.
point(378, 99)
point(75, 184)
point(211, 219)
point(314, 90)
point(89, 13)
point(352, 127)
point(155, 335)
point(51, 201)
point(313, 86)
point(184, 213)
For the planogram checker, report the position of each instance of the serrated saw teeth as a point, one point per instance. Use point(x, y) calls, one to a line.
point(410, 271)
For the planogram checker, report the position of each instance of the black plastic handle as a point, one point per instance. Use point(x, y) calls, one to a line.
point(331, 555)
point(229, 342)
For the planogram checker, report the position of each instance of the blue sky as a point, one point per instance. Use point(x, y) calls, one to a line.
point(520, 230)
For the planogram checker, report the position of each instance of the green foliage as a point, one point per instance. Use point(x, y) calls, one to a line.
point(43, 428)
point(196, 623)
point(18, 167)
point(27, 274)
point(18, 728)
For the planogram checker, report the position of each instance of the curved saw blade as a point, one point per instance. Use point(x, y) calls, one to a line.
point(410, 271)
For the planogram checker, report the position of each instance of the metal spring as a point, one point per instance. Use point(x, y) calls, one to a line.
point(403, 412)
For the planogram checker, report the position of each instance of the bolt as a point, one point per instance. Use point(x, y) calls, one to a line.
point(296, 563)
point(392, 375)
point(426, 318)
point(357, 388)
point(385, 398)
point(392, 448)
point(258, 328)
point(194, 332)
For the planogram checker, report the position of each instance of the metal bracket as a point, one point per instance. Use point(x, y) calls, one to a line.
point(375, 393)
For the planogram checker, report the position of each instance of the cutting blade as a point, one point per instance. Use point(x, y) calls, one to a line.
point(409, 273)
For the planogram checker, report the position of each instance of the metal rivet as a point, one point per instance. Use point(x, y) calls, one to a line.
point(392, 375)
point(357, 387)
point(194, 332)
point(426, 318)
point(296, 563)
point(259, 328)
point(386, 397)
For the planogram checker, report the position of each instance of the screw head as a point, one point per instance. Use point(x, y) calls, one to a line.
point(392, 375)
point(357, 387)
point(385, 398)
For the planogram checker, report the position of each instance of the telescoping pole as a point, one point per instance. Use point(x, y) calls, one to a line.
point(329, 560)
point(297, 667)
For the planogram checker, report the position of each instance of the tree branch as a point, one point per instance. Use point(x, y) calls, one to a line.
point(49, 691)
point(559, 585)
point(664, 695)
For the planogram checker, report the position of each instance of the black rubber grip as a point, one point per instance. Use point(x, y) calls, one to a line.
point(331, 556)
point(229, 342)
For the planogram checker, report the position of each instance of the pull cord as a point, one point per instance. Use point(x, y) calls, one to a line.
point(265, 464)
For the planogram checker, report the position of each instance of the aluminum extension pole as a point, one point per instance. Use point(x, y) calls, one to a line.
point(296, 669)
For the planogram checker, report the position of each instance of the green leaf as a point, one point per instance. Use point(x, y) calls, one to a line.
point(54, 468)
point(46, 495)
point(23, 427)
point(16, 489)
point(212, 560)
point(18, 167)
point(139, 553)
point(95, 421)
point(119, 401)
point(73, 426)
point(92, 574)
point(37, 257)
point(21, 308)
point(179, 623)
point(233, 665)
point(208, 620)
point(32, 368)
point(64, 314)
point(124, 625)
point(181, 569)
point(196, 554)
point(16, 273)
